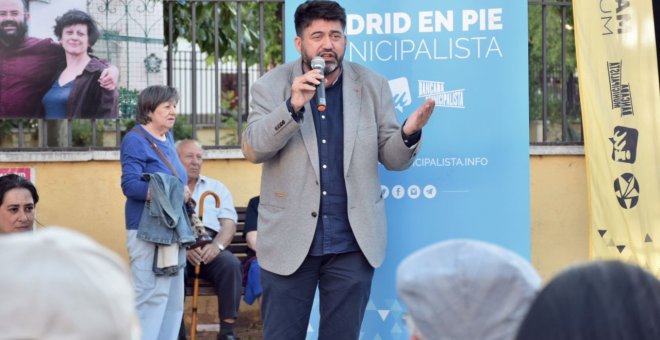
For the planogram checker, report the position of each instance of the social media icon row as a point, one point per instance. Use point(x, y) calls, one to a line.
point(413, 191)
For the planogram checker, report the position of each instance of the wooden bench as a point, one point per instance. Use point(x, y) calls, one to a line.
point(238, 247)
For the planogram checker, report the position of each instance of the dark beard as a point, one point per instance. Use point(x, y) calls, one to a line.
point(329, 67)
point(11, 40)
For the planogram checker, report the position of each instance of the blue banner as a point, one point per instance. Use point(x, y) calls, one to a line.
point(471, 178)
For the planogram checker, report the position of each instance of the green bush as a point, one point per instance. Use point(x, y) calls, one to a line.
point(128, 102)
point(182, 129)
point(82, 132)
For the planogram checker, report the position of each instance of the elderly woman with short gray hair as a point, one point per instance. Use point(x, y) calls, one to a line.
point(149, 149)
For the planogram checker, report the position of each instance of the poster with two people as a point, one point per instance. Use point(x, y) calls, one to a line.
point(48, 69)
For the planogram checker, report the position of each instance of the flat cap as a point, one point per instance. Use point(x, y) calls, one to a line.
point(466, 289)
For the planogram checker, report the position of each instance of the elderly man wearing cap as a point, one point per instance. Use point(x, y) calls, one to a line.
point(464, 289)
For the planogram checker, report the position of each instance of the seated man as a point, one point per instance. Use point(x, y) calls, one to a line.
point(465, 289)
point(218, 265)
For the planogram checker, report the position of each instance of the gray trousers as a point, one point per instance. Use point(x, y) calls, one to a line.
point(158, 299)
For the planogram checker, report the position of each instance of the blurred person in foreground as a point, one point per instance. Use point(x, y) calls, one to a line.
point(600, 300)
point(18, 200)
point(321, 213)
point(156, 252)
point(57, 284)
point(465, 289)
point(217, 263)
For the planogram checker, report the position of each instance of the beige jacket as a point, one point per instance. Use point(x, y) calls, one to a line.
point(290, 190)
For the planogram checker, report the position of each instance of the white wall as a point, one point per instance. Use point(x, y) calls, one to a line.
point(42, 15)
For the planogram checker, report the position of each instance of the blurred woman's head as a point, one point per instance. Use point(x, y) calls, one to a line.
point(603, 300)
point(76, 31)
point(18, 198)
point(157, 105)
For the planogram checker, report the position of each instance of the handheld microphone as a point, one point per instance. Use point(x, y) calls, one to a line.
point(318, 63)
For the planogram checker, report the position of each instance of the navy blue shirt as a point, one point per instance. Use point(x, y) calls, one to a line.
point(333, 231)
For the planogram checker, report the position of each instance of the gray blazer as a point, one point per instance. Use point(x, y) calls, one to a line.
point(290, 191)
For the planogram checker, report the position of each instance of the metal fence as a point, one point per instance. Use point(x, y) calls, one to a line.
point(554, 101)
point(214, 82)
point(209, 94)
point(216, 85)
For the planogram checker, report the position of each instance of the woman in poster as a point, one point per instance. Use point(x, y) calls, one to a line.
point(76, 92)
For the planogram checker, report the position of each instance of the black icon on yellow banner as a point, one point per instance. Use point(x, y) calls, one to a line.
point(626, 188)
point(624, 144)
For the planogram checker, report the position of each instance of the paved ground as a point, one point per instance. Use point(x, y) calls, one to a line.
point(250, 332)
point(245, 331)
point(249, 326)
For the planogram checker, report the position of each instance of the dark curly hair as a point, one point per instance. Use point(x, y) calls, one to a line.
point(13, 181)
point(75, 17)
point(311, 10)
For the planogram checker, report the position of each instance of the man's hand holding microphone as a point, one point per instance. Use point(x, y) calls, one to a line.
point(305, 86)
point(312, 82)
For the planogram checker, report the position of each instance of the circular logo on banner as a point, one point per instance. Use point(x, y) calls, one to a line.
point(384, 191)
point(413, 192)
point(398, 191)
point(430, 191)
point(626, 188)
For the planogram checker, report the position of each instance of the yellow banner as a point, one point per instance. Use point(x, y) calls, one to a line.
point(618, 74)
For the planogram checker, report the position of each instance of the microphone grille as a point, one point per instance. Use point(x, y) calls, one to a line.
point(318, 63)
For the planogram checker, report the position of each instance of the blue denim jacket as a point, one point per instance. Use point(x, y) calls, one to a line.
point(164, 219)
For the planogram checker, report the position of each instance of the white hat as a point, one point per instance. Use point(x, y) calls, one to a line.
point(465, 289)
point(59, 284)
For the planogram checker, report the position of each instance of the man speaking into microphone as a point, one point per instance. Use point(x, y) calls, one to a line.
point(321, 215)
point(318, 63)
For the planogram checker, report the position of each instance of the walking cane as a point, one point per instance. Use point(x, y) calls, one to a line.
point(193, 322)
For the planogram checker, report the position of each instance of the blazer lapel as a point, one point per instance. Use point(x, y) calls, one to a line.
point(307, 130)
point(352, 95)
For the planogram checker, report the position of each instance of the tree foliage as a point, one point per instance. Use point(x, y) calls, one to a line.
point(227, 28)
point(554, 25)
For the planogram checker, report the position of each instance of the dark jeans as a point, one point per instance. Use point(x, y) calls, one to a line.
point(344, 282)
